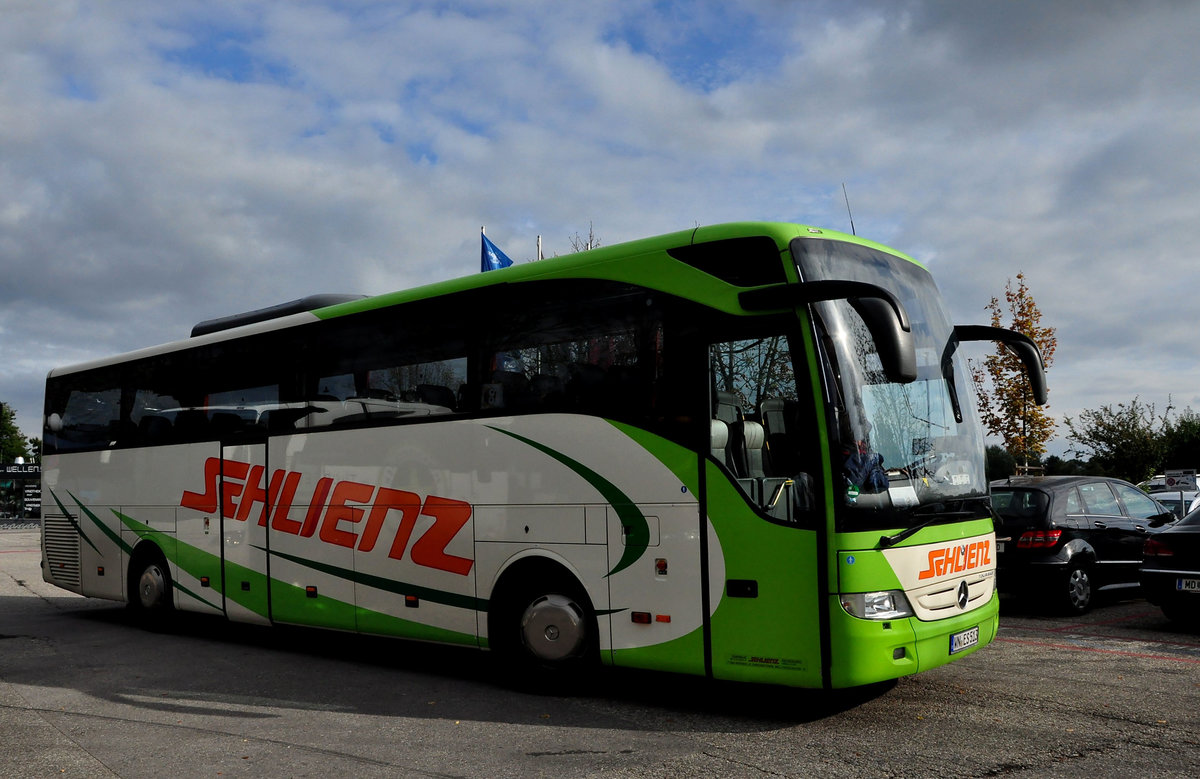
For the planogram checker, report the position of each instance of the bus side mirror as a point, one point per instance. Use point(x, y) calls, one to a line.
point(881, 311)
point(1022, 345)
point(893, 341)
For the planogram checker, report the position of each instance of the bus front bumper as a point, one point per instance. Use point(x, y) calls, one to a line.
point(867, 651)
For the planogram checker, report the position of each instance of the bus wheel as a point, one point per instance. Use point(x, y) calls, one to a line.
point(150, 585)
point(544, 631)
point(554, 628)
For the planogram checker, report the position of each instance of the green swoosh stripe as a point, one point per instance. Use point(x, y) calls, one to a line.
point(75, 524)
point(388, 585)
point(167, 543)
point(637, 529)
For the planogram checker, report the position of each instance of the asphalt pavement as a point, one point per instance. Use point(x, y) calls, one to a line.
point(86, 692)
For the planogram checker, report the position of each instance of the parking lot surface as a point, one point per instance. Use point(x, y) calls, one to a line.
point(85, 692)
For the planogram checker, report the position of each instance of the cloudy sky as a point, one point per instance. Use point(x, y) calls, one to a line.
point(165, 163)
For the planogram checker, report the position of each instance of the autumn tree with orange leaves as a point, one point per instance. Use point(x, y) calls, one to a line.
point(1005, 404)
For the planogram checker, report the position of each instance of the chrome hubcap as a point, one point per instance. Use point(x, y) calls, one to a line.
point(1079, 588)
point(553, 628)
point(152, 587)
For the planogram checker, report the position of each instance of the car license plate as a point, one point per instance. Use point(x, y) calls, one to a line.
point(999, 547)
point(964, 640)
point(1187, 585)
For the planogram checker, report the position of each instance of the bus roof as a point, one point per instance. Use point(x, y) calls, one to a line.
point(604, 263)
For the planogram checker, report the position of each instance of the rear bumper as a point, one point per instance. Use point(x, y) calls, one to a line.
point(1159, 586)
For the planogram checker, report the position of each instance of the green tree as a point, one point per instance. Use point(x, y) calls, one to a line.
point(999, 464)
point(1005, 405)
point(12, 443)
point(1181, 449)
point(1057, 466)
point(1126, 441)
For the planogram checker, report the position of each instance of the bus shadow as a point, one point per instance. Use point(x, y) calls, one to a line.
point(307, 667)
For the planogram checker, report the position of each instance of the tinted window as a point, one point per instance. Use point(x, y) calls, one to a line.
point(90, 419)
point(1073, 503)
point(1137, 503)
point(1020, 504)
point(580, 347)
point(1098, 498)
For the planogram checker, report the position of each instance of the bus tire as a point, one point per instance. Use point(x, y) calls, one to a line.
point(150, 588)
point(543, 629)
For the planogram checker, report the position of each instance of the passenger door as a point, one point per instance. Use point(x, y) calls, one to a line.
point(1106, 524)
point(244, 502)
point(1141, 508)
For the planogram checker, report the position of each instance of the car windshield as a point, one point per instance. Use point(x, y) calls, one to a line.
point(904, 450)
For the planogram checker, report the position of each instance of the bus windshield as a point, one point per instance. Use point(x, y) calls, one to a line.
point(904, 451)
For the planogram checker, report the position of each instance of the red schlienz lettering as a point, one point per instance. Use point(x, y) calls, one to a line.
point(205, 502)
point(449, 516)
point(956, 559)
point(337, 510)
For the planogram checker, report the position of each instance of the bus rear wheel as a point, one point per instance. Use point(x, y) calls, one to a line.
point(554, 628)
point(544, 632)
point(150, 596)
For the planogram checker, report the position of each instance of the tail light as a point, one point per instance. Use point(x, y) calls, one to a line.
point(1038, 539)
point(1155, 548)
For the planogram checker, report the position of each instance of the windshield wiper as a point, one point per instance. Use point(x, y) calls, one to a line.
point(937, 512)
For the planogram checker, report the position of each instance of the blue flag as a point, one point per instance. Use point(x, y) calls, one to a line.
point(491, 257)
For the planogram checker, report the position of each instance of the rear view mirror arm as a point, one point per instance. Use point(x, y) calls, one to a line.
point(1021, 345)
point(883, 313)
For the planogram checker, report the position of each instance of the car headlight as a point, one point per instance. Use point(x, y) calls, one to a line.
point(890, 604)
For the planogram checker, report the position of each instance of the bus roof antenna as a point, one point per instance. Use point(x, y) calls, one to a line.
point(847, 197)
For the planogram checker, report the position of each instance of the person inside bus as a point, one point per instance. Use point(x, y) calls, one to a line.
point(862, 469)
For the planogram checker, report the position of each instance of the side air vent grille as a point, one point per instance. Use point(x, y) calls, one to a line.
point(62, 550)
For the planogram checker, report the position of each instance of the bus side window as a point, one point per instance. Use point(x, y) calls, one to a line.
point(147, 414)
point(89, 420)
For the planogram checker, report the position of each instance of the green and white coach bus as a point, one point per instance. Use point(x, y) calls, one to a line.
point(744, 451)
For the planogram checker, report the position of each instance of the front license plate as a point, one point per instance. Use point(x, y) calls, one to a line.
point(964, 640)
point(1187, 585)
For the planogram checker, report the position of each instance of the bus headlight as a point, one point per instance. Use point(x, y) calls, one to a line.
point(890, 604)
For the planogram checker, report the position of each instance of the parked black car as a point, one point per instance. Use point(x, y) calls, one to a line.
point(1067, 537)
point(1170, 572)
